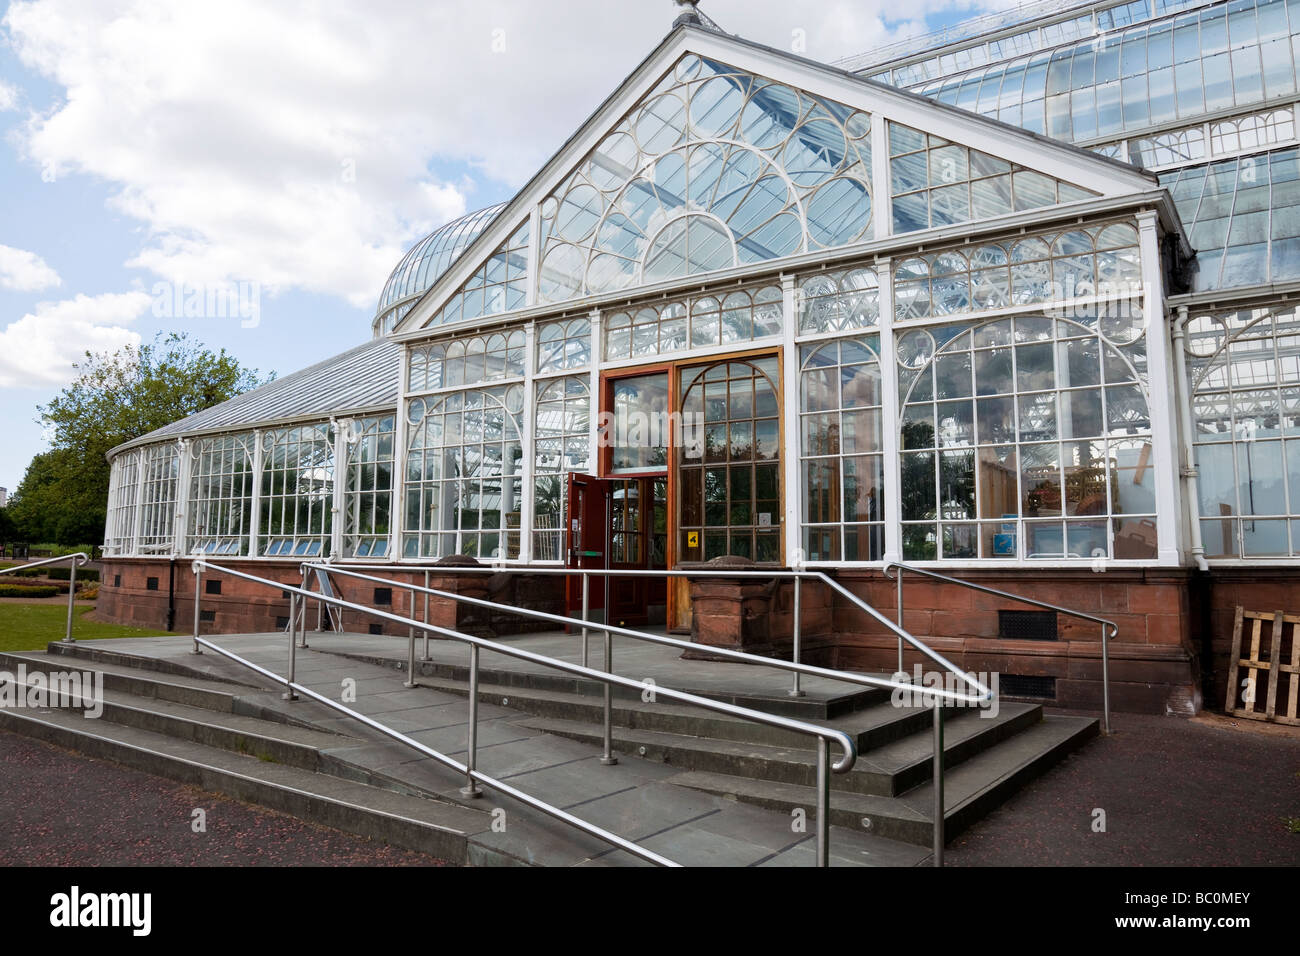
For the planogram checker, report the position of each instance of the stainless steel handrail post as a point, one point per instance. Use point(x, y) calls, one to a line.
point(72, 596)
point(586, 615)
point(1105, 683)
point(410, 641)
point(426, 616)
point(608, 759)
point(796, 629)
point(471, 788)
point(198, 585)
point(823, 802)
point(303, 608)
point(899, 589)
point(293, 646)
point(939, 821)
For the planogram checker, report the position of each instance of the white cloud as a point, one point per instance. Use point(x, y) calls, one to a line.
point(41, 347)
point(8, 97)
point(290, 142)
point(24, 271)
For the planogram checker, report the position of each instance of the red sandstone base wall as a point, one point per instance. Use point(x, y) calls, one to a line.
point(1171, 655)
point(1153, 660)
point(135, 591)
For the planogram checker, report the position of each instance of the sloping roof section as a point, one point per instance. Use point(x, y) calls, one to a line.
point(717, 153)
point(361, 378)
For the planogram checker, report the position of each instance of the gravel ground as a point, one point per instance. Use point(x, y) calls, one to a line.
point(1211, 791)
point(59, 808)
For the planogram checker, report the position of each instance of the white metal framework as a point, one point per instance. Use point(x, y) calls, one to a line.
point(957, 334)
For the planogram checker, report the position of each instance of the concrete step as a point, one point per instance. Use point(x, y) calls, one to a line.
point(339, 780)
point(441, 829)
point(126, 674)
point(101, 655)
point(870, 727)
point(811, 707)
point(971, 789)
point(886, 771)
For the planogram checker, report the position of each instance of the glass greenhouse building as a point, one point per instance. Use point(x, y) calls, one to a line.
point(1015, 303)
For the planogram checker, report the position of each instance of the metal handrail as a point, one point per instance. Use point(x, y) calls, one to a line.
point(76, 560)
point(1107, 625)
point(938, 695)
point(824, 735)
point(649, 637)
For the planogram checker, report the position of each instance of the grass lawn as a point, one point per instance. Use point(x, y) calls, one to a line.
point(29, 627)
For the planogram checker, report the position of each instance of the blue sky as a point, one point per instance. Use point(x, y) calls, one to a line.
point(295, 149)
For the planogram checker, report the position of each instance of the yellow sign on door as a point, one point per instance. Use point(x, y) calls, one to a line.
point(692, 539)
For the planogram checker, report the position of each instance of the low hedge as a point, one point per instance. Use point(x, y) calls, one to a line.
point(64, 573)
point(57, 573)
point(29, 590)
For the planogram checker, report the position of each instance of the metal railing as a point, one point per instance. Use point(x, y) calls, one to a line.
point(75, 561)
point(939, 696)
point(473, 776)
point(1109, 629)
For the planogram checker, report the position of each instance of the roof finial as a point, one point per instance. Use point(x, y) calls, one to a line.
point(689, 15)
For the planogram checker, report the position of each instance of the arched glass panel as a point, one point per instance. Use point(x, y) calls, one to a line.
point(1026, 438)
point(729, 462)
point(714, 168)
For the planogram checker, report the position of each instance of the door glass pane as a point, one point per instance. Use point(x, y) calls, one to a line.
point(730, 470)
point(640, 422)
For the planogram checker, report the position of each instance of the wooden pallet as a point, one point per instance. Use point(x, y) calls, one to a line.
point(1284, 637)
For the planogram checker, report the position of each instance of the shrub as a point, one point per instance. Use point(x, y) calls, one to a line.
point(28, 590)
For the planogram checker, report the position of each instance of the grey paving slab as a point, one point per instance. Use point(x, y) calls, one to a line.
point(692, 845)
point(646, 810)
point(570, 785)
point(507, 760)
point(455, 740)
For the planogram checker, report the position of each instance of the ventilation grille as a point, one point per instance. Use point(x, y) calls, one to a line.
point(208, 616)
point(1027, 625)
point(376, 628)
point(117, 580)
point(383, 595)
point(1021, 685)
point(281, 623)
point(151, 584)
point(212, 587)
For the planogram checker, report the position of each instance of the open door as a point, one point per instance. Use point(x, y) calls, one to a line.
point(619, 523)
point(585, 541)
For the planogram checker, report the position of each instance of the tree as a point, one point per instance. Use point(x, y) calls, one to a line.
point(116, 397)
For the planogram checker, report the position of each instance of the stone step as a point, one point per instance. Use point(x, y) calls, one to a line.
point(885, 771)
point(101, 655)
point(971, 789)
point(441, 829)
point(870, 727)
point(811, 707)
point(202, 747)
point(124, 674)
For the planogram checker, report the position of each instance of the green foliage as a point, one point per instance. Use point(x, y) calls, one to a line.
point(58, 573)
point(115, 398)
point(28, 590)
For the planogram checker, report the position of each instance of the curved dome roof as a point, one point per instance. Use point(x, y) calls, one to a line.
point(429, 258)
